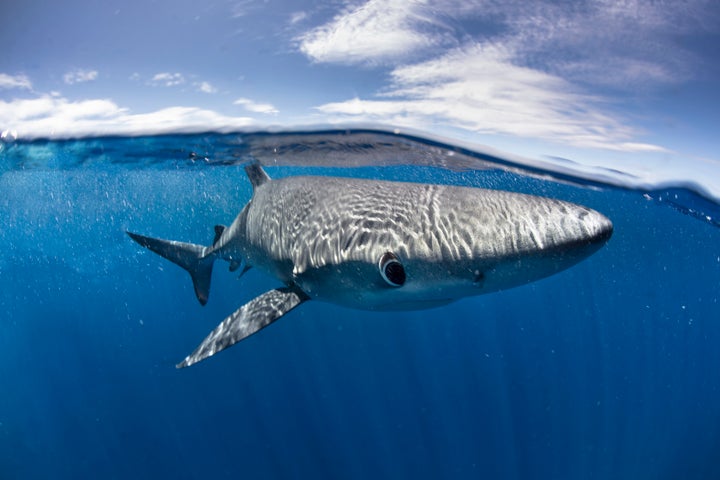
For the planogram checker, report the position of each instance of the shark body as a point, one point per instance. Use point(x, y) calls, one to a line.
point(381, 245)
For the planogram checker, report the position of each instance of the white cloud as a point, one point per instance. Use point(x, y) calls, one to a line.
point(251, 106)
point(528, 72)
point(15, 81)
point(80, 76)
point(206, 87)
point(167, 79)
point(297, 17)
point(621, 44)
point(242, 8)
point(480, 89)
point(57, 117)
point(375, 32)
point(625, 45)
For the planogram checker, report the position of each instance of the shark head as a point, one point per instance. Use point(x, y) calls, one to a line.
point(391, 245)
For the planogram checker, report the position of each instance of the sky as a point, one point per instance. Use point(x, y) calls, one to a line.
point(627, 85)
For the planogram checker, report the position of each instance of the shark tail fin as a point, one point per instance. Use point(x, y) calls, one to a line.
point(190, 256)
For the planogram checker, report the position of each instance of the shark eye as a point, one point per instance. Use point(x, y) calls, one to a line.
point(391, 270)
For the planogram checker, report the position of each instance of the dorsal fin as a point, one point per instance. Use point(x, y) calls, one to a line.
point(256, 174)
point(219, 229)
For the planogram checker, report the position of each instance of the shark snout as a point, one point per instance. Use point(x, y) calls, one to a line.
point(599, 228)
point(587, 233)
point(564, 237)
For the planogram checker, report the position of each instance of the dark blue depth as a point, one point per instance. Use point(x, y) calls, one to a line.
point(608, 370)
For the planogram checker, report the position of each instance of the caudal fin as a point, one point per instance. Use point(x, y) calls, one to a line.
point(188, 255)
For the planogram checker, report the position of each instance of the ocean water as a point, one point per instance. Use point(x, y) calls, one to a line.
point(608, 370)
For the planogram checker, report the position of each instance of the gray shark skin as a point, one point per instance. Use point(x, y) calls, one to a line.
point(381, 245)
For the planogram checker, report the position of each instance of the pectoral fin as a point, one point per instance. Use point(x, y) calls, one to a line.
point(248, 319)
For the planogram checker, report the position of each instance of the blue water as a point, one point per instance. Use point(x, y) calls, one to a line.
point(608, 370)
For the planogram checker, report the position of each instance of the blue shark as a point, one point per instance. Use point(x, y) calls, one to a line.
point(381, 245)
